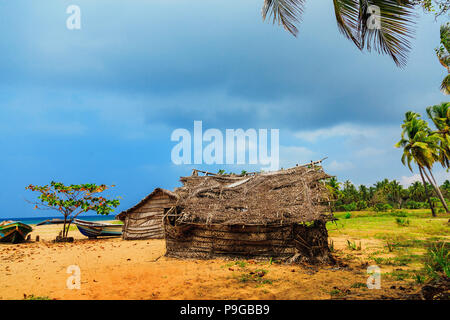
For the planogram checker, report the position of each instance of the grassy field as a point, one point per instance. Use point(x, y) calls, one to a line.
point(397, 241)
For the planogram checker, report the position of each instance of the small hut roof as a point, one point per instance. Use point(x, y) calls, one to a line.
point(295, 195)
point(172, 195)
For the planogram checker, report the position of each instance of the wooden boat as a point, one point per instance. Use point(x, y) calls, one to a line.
point(97, 229)
point(13, 231)
point(52, 221)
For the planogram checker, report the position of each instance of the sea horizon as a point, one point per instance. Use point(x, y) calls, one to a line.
point(35, 220)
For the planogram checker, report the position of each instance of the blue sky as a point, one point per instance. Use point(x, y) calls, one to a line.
point(99, 104)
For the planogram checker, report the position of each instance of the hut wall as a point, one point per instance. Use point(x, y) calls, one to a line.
point(145, 222)
point(302, 243)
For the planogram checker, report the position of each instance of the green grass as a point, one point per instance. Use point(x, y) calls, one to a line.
point(358, 285)
point(353, 246)
point(402, 222)
point(33, 297)
point(384, 225)
point(437, 260)
point(415, 245)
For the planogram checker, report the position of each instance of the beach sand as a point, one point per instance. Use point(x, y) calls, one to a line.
point(117, 269)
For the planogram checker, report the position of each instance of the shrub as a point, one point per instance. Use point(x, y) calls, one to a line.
point(402, 222)
point(382, 207)
point(353, 246)
point(361, 205)
point(348, 215)
point(437, 260)
point(349, 207)
point(399, 214)
point(411, 204)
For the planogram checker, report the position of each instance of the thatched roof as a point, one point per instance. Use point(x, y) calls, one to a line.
point(295, 195)
point(172, 195)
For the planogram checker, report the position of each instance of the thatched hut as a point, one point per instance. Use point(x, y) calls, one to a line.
point(144, 220)
point(280, 215)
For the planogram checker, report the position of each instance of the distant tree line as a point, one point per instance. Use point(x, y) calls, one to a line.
point(383, 195)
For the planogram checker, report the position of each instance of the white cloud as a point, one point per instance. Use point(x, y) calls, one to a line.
point(292, 155)
point(341, 130)
point(407, 181)
point(339, 166)
point(369, 152)
point(440, 175)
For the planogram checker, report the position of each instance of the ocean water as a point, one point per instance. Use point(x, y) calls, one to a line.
point(39, 219)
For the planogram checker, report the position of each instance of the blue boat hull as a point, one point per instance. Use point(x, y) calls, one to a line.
point(94, 230)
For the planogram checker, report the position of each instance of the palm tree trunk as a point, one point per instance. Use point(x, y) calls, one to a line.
point(444, 203)
point(436, 188)
point(426, 192)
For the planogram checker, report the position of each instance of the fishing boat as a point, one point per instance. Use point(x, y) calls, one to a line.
point(13, 231)
point(97, 229)
point(53, 221)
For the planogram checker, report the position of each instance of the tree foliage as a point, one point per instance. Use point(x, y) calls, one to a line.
point(443, 54)
point(425, 147)
point(73, 200)
point(381, 196)
point(355, 20)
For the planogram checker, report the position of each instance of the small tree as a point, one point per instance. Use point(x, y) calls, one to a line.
point(72, 200)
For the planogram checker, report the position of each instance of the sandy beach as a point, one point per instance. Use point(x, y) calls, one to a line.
point(117, 269)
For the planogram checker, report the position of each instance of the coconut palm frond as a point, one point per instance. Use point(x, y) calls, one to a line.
point(347, 18)
point(284, 12)
point(445, 36)
point(387, 26)
point(444, 59)
point(445, 85)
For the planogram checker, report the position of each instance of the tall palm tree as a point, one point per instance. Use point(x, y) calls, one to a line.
point(443, 54)
point(355, 20)
point(419, 145)
point(440, 115)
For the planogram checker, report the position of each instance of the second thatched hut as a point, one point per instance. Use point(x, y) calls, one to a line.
point(144, 220)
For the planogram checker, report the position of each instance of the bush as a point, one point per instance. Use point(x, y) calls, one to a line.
point(402, 222)
point(349, 207)
point(361, 205)
point(399, 214)
point(411, 204)
point(348, 215)
point(382, 207)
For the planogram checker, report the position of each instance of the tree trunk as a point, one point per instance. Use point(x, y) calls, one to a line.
point(426, 192)
point(436, 189)
point(64, 226)
point(68, 227)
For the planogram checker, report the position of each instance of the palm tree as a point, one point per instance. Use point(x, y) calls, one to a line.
point(333, 183)
point(364, 193)
point(355, 20)
point(416, 191)
point(333, 186)
point(440, 115)
point(446, 185)
point(443, 54)
point(394, 192)
point(420, 145)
